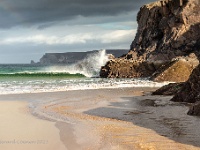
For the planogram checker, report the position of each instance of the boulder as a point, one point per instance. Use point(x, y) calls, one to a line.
point(175, 71)
point(194, 109)
point(191, 90)
point(123, 68)
point(188, 92)
point(170, 89)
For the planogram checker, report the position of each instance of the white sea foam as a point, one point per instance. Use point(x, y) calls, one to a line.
point(89, 66)
point(37, 86)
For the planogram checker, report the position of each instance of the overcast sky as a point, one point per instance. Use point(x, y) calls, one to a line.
point(30, 28)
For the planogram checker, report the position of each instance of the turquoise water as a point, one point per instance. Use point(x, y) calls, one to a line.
point(26, 78)
point(29, 71)
point(17, 68)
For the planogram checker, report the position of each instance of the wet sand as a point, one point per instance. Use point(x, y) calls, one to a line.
point(19, 130)
point(121, 119)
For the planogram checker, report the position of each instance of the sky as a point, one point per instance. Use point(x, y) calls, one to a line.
point(31, 28)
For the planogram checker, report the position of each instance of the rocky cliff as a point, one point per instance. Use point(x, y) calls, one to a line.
point(168, 31)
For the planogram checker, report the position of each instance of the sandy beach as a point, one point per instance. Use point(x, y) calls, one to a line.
point(20, 130)
point(118, 119)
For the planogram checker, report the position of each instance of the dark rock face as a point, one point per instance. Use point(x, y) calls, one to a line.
point(194, 109)
point(167, 29)
point(188, 92)
point(120, 68)
point(170, 89)
point(191, 90)
point(168, 32)
point(177, 70)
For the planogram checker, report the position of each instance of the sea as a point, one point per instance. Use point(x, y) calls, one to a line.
point(83, 75)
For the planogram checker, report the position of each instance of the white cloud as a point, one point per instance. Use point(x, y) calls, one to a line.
point(117, 36)
point(49, 40)
point(110, 37)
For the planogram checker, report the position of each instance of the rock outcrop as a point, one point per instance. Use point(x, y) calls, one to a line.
point(194, 109)
point(168, 30)
point(170, 89)
point(177, 70)
point(123, 68)
point(190, 92)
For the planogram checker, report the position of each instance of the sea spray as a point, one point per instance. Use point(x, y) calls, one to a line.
point(90, 66)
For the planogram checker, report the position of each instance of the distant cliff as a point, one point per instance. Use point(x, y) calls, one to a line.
point(166, 46)
point(74, 57)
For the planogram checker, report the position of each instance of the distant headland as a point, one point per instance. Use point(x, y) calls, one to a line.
point(74, 57)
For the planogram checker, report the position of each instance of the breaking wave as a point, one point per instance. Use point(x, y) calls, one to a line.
point(89, 67)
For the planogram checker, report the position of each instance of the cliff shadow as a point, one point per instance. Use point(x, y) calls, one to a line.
point(158, 113)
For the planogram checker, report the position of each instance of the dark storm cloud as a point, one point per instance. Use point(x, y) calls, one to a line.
point(33, 12)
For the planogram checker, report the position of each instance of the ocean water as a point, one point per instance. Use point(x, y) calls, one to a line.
point(27, 78)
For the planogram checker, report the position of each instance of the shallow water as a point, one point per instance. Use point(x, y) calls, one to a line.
point(51, 84)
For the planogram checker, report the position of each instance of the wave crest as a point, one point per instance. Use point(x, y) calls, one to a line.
point(90, 66)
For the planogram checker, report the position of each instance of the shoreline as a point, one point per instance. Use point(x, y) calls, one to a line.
point(123, 118)
point(159, 85)
point(21, 131)
point(33, 86)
